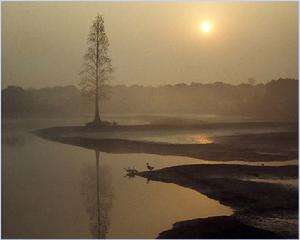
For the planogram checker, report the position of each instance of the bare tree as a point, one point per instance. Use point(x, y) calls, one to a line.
point(97, 66)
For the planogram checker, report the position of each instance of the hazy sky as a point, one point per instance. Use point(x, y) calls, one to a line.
point(151, 43)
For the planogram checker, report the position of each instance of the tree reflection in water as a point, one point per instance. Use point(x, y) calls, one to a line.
point(96, 188)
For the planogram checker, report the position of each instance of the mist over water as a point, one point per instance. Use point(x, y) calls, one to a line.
point(55, 185)
point(55, 191)
point(171, 120)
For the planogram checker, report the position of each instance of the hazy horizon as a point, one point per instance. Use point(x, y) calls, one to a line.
point(151, 44)
point(150, 86)
point(196, 138)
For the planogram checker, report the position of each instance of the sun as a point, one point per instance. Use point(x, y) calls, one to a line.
point(205, 27)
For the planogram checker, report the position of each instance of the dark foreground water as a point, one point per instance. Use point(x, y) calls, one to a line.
point(49, 190)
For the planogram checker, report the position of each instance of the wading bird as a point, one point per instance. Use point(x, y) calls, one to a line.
point(150, 167)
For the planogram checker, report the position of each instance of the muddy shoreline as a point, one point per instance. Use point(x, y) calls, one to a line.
point(265, 208)
point(261, 209)
point(262, 147)
point(223, 227)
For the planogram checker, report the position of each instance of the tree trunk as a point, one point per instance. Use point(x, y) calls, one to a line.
point(97, 114)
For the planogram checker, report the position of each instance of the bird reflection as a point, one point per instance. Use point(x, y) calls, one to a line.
point(131, 172)
point(98, 197)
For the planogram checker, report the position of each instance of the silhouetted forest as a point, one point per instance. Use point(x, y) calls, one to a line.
point(275, 100)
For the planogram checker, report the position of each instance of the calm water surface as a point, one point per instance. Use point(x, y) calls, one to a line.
point(50, 191)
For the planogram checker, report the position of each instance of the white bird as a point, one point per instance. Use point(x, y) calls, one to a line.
point(150, 167)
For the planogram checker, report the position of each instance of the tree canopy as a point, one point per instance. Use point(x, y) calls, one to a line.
point(97, 66)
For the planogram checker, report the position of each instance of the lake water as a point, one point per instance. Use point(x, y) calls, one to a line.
point(50, 191)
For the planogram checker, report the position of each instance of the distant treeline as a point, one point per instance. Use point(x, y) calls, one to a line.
point(276, 100)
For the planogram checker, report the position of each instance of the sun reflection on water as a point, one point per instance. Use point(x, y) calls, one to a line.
point(202, 139)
